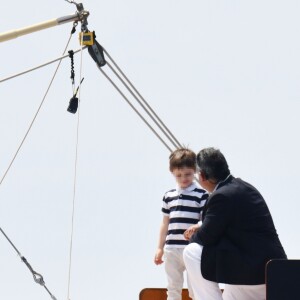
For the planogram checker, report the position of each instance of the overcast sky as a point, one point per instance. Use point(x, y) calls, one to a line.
point(219, 73)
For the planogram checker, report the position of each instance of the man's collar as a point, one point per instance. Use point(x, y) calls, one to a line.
point(221, 183)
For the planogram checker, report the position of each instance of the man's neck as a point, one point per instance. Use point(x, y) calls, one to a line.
point(217, 184)
point(211, 186)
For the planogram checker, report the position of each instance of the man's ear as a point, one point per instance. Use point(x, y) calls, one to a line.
point(202, 176)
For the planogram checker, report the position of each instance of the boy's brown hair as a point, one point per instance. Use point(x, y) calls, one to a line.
point(182, 157)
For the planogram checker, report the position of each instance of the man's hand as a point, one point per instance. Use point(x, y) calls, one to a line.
point(190, 231)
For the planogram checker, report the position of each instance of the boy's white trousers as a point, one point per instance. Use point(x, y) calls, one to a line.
point(174, 267)
point(203, 289)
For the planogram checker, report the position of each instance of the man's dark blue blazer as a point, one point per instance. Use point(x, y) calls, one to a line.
point(237, 234)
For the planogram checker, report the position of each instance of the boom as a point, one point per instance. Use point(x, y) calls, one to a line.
point(81, 15)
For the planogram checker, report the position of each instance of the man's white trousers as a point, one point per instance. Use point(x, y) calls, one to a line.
point(203, 289)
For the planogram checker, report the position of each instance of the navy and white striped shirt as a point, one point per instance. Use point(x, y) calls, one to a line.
point(184, 208)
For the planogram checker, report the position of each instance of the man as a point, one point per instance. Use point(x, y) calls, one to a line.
point(237, 237)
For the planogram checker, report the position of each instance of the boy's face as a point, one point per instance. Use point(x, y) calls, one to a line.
point(184, 176)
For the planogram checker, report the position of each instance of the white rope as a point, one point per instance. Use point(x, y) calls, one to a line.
point(36, 114)
point(39, 66)
point(75, 180)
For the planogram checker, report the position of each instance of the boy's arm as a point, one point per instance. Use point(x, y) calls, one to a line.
point(161, 241)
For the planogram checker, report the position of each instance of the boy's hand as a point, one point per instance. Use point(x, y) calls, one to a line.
point(158, 257)
point(190, 231)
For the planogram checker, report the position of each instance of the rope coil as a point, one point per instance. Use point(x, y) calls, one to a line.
point(71, 55)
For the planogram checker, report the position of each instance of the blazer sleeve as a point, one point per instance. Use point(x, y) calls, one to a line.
point(217, 217)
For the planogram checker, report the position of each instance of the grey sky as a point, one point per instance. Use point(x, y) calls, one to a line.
point(219, 73)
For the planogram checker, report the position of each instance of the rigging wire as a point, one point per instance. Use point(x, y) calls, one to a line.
point(150, 112)
point(142, 101)
point(37, 112)
point(133, 107)
point(75, 178)
point(38, 278)
point(39, 66)
point(143, 106)
point(175, 142)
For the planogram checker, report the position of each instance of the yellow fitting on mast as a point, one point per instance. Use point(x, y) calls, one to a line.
point(86, 38)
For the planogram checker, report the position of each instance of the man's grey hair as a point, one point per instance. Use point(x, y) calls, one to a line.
point(213, 164)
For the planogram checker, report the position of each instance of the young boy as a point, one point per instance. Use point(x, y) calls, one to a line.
point(181, 209)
